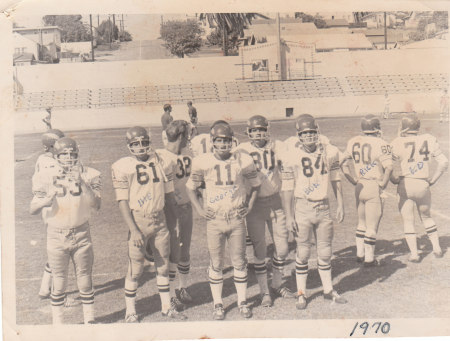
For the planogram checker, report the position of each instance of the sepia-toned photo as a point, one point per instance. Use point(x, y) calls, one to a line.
point(272, 173)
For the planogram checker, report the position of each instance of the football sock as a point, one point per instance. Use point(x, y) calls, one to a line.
point(240, 281)
point(216, 284)
point(261, 276)
point(183, 273)
point(46, 283)
point(172, 275)
point(411, 240)
point(360, 243)
point(88, 306)
point(164, 292)
point(301, 275)
point(277, 272)
point(325, 277)
point(130, 296)
point(434, 237)
point(369, 249)
point(57, 307)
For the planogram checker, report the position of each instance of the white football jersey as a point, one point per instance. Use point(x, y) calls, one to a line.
point(370, 154)
point(414, 153)
point(224, 180)
point(308, 174)
point(143, 183)
point(181, 166)
point(71, 207)
point(294, 142)
point(201, 144)
point(267, 162)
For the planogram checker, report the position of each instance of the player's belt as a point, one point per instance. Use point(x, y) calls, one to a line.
point(323, 203)
point(148, 215)
point(267, 198)
point(78, 228)
point(227, 214)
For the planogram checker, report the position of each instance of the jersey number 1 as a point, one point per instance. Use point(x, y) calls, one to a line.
point(219, 181)
point(142, 175)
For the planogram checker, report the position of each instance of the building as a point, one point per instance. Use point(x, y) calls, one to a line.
point(23, 58)
point(43, 42)
point(75, 52)
point(262, 28)
point(336, 23)
point(395, 38)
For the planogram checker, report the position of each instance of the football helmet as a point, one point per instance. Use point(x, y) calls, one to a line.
point(138, 141)
point(224, 131)
point(410, 124)
point(258, 128)
point(370, 124)
point(307, 129)
point(66, 152)
point(49, 138)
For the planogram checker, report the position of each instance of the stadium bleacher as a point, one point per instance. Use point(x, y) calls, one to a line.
point(232, 91)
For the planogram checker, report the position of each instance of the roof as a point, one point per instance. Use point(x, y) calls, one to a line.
point(22, 29)
point(336, 22)
point(392, 37)
point(269, 28)
point(331, 41)
point(23, 57)
point(427, 44)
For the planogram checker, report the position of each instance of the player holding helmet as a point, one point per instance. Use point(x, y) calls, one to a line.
point(267, 209)
point(306, 172)
point(44, 161)
point(178, 157)
point(224, 175)
point(144, 185)
point(66, 192)
point(372, 159)
point(411, 153)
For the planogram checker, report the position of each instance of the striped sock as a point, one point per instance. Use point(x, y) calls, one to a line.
point(369, 249)
point(434, 237)
point(277, 266)
point(164, 292)
point(360, 243)
point(216, 284)
point(172, 275)
point(183, 272)
point(325, 277)
point(240, 281)
point(130, 296)
point(88, 306)
point(261, 276)
point(301, 275)
point(57, 307)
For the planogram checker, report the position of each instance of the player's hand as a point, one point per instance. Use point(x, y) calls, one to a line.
point(381, 184)
point(291, 224)
point(137, 238)
point(431, 183)
point(340, 213)
point(243, 211)
point(208, 214)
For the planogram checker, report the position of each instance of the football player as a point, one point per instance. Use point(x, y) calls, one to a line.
point(372, 160)
point(306, 173)
point(44, 161)
point(225, 175)
point(143, 184)
point(179, 224)
point(413, 152)
point(293, 142)
point(201, 144)
point(267, 209)
point(68, 191)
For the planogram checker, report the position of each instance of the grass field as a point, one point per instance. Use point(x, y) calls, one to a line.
point(396, 290)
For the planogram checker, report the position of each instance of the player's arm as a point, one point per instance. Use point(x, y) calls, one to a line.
point(348, 164)
point(336, 184)
point(92, 189)
point(41, 197)
point(441, 168)
point(121, 188)
point(250, 175)
point(386, 162)
point(287, 195)
point(195, 182)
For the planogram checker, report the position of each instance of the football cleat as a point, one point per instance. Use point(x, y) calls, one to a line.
point(174, 314)
point(138, 141)
point(177, 304)
point(370, 124)
point(266, 300)
point(131, 318)
point(414, 259)
point(258, 128)
point(244, 310)
point(301, 302)
point(359, 259)
point(184, 296)
point(219, 312)
point(66, 153)
point(335, 297)
point(372, 264)
point(438, 254)
point(284, 292)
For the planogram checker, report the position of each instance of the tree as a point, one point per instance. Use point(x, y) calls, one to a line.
point(181, 37)
point(317, 20)
point(72, 29)
point(215, 39)
point(107, 32)
point(229, 22)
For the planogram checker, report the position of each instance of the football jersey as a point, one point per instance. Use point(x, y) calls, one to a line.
point(44, 160)
point(225, 180)
point(201, 144)
point(308, 174)
point(181, 168)
point(267, 163)
point(71, 206)
point(414, 153)
point(143, 183)
point(294, 142)
point(370, 154)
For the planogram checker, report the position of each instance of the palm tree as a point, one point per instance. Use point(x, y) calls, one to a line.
point(228, 22)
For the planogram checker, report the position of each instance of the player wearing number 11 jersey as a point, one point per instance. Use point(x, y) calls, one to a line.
point(372, 160)
point(143, 184)
point(412, 153)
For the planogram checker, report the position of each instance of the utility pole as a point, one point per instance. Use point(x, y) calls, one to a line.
point(92, 37)
point(114, 26)
point(109, 30)
point(98, 20)
point(280, 77)
point(385, 32)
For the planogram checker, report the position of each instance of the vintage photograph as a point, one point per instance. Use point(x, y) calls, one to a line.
point(238, 167)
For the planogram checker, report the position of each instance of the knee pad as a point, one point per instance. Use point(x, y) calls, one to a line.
point(85, 284)
point(324, 254)
point(135, 269)
point(303, 254)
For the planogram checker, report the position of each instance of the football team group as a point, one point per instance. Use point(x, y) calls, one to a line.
point(238, 189)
